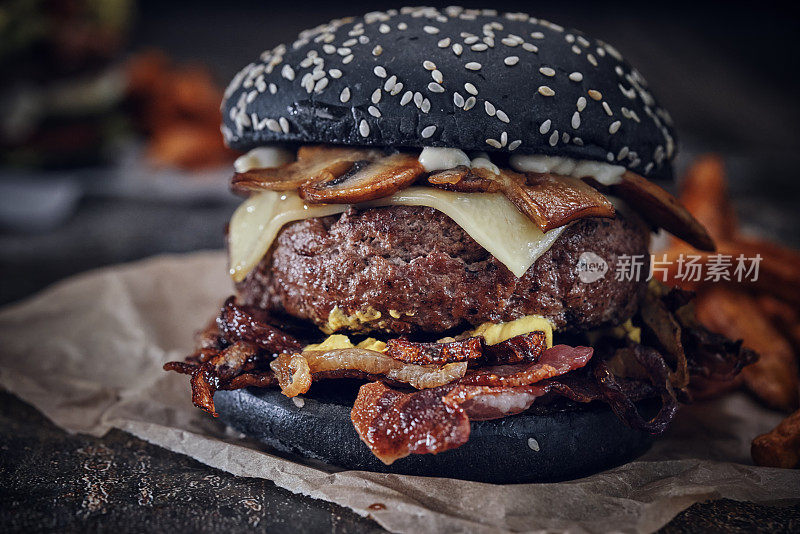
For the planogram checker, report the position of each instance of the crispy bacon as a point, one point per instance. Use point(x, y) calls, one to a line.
point(554, 361)
point(365, 181)
point(435, 353)
point(395, 424)
point(295, 371)
point(522, 348)
point(241, 323)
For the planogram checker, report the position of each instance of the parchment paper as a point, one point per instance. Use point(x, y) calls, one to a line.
point(88, 351)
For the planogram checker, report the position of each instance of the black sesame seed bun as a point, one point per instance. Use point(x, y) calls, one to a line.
point(469, 79)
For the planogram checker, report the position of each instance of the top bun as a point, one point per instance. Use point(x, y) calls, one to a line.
point(469, 79)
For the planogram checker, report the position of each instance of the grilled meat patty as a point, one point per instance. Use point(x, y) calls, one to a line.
point(406, 269)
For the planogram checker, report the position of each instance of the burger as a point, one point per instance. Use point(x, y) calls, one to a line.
point(441, 264)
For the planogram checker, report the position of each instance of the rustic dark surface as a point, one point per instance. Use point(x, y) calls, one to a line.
point(53, 481)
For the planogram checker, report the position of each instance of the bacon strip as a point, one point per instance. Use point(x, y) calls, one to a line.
point(435, 353)
point(241, 323)
point(554, 361)
point(395, 424)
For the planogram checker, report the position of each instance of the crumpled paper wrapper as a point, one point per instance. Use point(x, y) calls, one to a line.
point(88, 352)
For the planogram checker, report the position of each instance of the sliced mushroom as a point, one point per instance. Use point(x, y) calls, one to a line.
point(661, 209)
point(316, 163)
point(463, 180)
point(368, 180)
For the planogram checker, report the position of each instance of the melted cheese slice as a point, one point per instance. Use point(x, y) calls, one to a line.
point(489, 218)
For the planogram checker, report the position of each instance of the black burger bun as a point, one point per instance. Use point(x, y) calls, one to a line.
point(468, 79)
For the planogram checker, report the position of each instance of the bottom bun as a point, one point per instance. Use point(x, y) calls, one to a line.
point(527, 447)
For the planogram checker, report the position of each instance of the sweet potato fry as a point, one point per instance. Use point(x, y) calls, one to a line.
point(781, 446)
point(704, 192)
point(774, 377)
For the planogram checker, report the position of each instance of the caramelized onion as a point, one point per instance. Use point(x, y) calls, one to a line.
point(295, 376)
point(435, 353)
point(555, 361)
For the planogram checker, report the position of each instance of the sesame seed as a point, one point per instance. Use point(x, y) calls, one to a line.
point(406, 98)
point(329, 49)
point(444, 43)
point(511, 60)
point(514, 145)
point(402, 26)
point(545, 127)
point(480, 47)
point(547, 71)
point(321, 85)
point(607, 109)
point(554, 138)
point(344, 51)
point(473, 65)
point(273, 125)
point(472, 39)
point(578, 141)
point(576, 120)
point(457, 49)
point(494, 142)
point(533, 444)
point(437, 76)
point(384, 28)
point(471, 89)
point(390, 83)
point(591, 59)
point(546, 91)
point(345, 95)
point(458, 100)
point(470, 103)
point(418, 99)
point(581, 105)
point(347, 59)
point(284, 124)
point(350, 42)
point(502, 116)
point(596, 95)
point(273, 88)
point(363, 39)
point(537, 35)
point(576, 76)
point(363, 128)
point(432, 30)
point(435, 88)
point(565, 137)
point(509, 41)
point(397, 88)
point(287, 72)
point(614, 128)
point(379, 71)
point(428, 131)
point(504, 139)
point(376, 96)
point(378, 50)
point(375, 112)
point(335, 73)
point(426, 106)
point(576, 49)
point(583, 41)
point(490, 109)
point(623, 152)
point(429, 65)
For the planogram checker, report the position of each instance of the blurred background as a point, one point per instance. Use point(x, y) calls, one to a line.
point(109, 142)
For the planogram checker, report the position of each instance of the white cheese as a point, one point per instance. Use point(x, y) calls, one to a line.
point(262, 157)
point(489, 218)
point(602, 172)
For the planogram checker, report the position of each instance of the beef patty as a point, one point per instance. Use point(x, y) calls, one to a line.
point(412, 269)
